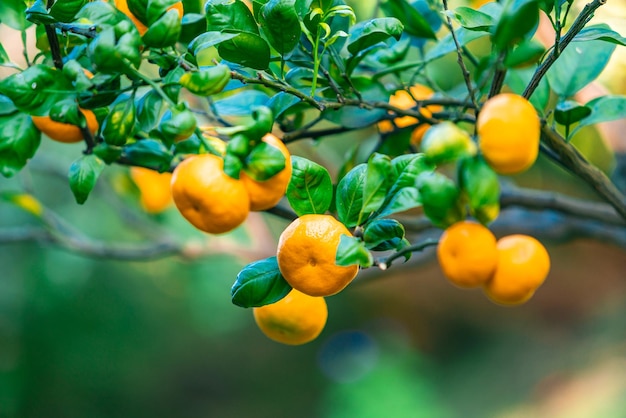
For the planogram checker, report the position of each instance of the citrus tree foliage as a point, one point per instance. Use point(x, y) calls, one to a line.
point(221, 76)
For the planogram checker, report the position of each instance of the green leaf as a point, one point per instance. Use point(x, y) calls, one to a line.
point(519, 18)
point(310, 189)
point(4, 57)
point(108, 153)
point(446, 45)
point(149, 153)
point(603, 109)
point(280, 24)
point(12, 14)
point(480, 184)
point(349, 195)
point(229, 15)
point(65, 10)
point(164, 32)
point(149, 108)
point(354, 116)
point(208, 40)
point(118, 126)
point(246, 49)
point(281, 102)
point(414, 23)
point(370, 32)
point(527, 53)
point(601, 32)
point(19, 140)
point(264, 161)
point(440, 198)
point(473, 19)
point(259, 283)
point(376, 184)
point(6, 106)
point(83, 175)
point(578, 65)
point(404, 199)
point(383, 235)
point(36, 89)
point(352, 251)
point(568, 112)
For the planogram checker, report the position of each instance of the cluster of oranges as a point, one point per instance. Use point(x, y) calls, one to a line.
point(509, 269)
point(306, 259)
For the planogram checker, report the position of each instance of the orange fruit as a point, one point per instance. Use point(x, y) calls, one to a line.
point(405, 100)
point(295, 319)
point(65, 132)
point(306, 255)
point(122, 6)
point(266, 194)
point(467, 254)
point(154, 188)
point(207, 197)
point(508, 129)
point(523, 265)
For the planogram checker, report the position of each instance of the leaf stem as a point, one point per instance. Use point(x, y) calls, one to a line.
point(385, 263)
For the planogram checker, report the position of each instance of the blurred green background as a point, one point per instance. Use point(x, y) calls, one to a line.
point(84, 337)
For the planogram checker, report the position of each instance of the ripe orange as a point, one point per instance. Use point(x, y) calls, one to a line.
point(207, 197)
point(306, 255)
point(523, 265)
point(122, 6)
point(266, 194)
point(403, 100)
point(65, 132)
point(296, 319)
point(508, 129)
point(154, 188)
point(467, 254)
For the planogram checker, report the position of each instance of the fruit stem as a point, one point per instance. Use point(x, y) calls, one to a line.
point(385, 263)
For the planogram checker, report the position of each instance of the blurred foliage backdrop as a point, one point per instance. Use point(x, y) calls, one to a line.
point(82, 337)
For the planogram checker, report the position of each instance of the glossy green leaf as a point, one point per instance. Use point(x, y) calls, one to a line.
point(352, 251)
point(481, 186)
point(281, 102)
point(473, 19)
point(446, 45)
point(349, 195)
point(280, 24)
point(164, 32)
point(310, 189)
point(83, 175)
point(100, 13)
point(118, 126)
point(402, 200)
point(376, 184)
point(601, 32)
point(414, 23)
point(568, 112)
point(177, 125)
point(259, 283)
point(383, 235)
point(370, 32)
point(518, 19)
point(526, 53)
point(264, 161)
point(65, 10)
point(35, 89)
point(206, 81)
point(229, 15)
point(208, 40)
point(148, 153)
point(440, 199)
point(108, 153)
point(19, 140)
point(578, 65)
point(12, 14)
point(246, 49)
point(603, 109)
point(149, 108)
point(6, 106)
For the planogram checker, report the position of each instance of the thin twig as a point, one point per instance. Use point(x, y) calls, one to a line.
point(385, 263)
point(577, 26)
point(460, 60)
